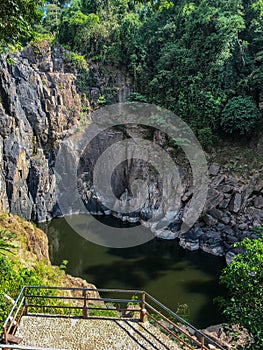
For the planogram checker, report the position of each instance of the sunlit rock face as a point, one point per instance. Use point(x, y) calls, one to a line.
point(39, 105)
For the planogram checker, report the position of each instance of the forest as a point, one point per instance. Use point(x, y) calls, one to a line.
point(200, 59)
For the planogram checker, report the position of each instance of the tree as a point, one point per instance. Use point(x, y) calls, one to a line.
point(243, 278)
point(157, 4)
point(16, 20)
point(51, 20)
point(239, 114)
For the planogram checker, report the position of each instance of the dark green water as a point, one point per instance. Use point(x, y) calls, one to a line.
point(161, 267)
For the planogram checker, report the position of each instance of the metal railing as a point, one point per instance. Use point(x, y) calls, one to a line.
point(20, 347)
point(13, 319)
point(88, 302)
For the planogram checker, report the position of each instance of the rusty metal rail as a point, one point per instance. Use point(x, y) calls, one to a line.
point(14, 317)
point(42, 300)
point(20, 347)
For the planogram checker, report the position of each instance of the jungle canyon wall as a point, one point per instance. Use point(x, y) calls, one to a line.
point(41, 104)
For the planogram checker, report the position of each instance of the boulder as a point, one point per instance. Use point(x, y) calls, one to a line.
point(212, 243)
point(209, 220)
point(258, 202)
point(235, 203)
point(214, 169)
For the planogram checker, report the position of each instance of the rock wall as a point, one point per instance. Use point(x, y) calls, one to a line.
point(233, 207)
point(40, 104)
point(234, 203)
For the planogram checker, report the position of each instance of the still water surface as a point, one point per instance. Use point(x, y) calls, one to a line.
point(171, 274)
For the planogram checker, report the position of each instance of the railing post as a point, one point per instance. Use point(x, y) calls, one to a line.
point(5, 335)
point(25, 309)
point(143, 316)
point(85, 309)
point(202, 342)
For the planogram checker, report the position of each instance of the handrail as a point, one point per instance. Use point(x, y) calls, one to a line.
point(20, 347)
point(14, 306)
point(172, 323)
point(179, 318)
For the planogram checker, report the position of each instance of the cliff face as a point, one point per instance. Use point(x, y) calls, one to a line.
point(40, 105)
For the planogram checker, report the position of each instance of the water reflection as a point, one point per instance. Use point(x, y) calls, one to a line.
point(171, 274)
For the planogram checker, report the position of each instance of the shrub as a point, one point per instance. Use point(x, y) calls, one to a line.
point(78, 61)
point(239, 114)
point(206, 137)
point(137, 97)
point(243, 278)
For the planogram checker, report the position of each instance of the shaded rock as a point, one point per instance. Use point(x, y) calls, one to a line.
point(209, 220)
point(214, 197)
point(212, 243)
point(243, 226)
point(224, 204)
point(190, 240)
point(258, 202)
point(214, 169)
point(235, 203)
point(231, 239)
point(225, 188)
point(215, 213)
point(225, 219)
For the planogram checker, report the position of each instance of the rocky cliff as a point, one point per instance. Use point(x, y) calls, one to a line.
point(41, 103)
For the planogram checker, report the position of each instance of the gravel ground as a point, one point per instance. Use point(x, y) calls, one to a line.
point(92, 334)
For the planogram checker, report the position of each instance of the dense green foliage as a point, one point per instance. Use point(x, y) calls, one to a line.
point(16, 20)
point(239, 114)
point(12, 279)
point(191, 57)
point(244, 281)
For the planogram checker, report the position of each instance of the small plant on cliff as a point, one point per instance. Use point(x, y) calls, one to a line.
point(5, 247)
point(102, 100)
point(78, 61)
point(243, 278)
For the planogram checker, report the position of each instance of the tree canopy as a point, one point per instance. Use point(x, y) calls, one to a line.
point(16, 20)
point(244, 281)
point(190, 57)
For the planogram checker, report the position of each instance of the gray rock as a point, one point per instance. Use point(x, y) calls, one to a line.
point(231, 239)
point(209, 220)
point(225, 188)
point(214, 197)
point(214, 169)
point(258, 202)
point(212, 243)
point(232, 253)
point(215, 213)
point(190, 240)
point(224, 204)
point(235, 203)
point(225, 219)
point(243, 226)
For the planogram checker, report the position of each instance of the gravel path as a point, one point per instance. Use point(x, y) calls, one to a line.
point(92, 334)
